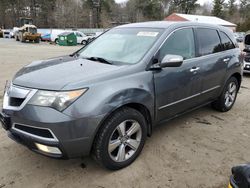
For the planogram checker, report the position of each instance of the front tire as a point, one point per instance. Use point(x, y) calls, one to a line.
point(227, 99)
point(120, 139)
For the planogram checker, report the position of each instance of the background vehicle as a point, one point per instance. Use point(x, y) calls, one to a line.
point(27, 31)
point(46, 37)
point(6, 34)
point(239, 37)
point(81, 37)
point(117, 88)
point(247, 53)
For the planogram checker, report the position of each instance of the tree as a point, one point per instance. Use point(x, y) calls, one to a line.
point(218, 8)
point(231, 7)
point(183, 6)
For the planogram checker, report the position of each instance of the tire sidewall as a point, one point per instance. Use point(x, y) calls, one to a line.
point(84, 42)
point(222, 98)
point(131, 115)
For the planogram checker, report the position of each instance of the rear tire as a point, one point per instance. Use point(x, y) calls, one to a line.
point(84, 42)
point(229, 94)
point(56, 41)
point(120, 139)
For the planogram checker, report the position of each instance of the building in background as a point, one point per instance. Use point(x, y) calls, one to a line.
point(201, 19)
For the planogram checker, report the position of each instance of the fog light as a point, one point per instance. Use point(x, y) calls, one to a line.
point(48, 149)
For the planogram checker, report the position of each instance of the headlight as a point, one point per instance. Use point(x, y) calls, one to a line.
point(57, 100)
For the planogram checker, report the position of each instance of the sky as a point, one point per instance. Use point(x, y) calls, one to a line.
point(199, 1)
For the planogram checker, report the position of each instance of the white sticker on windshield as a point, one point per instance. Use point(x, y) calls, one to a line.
point(147, 34)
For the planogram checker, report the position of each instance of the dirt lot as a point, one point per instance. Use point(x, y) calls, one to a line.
point(196, 150)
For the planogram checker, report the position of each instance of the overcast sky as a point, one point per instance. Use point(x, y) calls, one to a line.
point(199, 1)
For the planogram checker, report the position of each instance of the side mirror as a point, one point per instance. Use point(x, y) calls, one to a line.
point(171, 61)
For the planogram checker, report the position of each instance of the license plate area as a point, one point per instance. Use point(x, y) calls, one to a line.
point(5, 120)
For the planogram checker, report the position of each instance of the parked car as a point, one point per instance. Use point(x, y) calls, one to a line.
point(46, 37)
point(106, 98)
point(6, 34)
point(247, 53)
point(239, 37)
point(81, 37)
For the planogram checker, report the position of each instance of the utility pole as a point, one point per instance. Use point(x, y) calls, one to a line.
point(97, 6)
point(90, 19)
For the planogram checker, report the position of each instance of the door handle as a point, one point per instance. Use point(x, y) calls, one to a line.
point(226, 60)
point(194, 69)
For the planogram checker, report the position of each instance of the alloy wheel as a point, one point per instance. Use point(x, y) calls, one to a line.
point(125, 140)
point(230, 94)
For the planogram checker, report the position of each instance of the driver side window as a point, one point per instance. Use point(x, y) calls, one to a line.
point(180, 42)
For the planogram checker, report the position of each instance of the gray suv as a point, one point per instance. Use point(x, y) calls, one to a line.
point(106, 98)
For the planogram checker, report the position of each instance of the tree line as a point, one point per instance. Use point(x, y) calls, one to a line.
point(108, 13)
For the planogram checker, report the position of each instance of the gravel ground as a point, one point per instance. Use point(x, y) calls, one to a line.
point(196, 150)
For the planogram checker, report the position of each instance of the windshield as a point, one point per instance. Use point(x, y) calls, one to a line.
point(122, 45)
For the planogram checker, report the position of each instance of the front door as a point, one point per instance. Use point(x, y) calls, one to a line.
point(177, 88)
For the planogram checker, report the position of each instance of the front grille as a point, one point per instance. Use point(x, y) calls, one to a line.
point(16, 97)
point(45, 133)
point(15, 101)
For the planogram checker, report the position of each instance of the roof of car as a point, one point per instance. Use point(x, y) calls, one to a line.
point(166, 24)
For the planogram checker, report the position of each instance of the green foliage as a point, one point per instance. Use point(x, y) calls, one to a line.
point(151, 9)
point(218, 8)
point(231, 7)
point(183, 6)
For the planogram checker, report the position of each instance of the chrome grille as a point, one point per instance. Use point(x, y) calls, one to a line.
point(15, 97)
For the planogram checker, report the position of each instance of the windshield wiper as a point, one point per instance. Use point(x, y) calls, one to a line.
point(100, 59)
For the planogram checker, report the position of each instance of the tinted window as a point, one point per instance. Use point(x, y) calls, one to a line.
point(209, 41)
point(181, 42)
point(226, 42)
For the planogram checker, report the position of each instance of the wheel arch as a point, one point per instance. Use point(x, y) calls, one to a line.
point(137, 106)
point(238, 77)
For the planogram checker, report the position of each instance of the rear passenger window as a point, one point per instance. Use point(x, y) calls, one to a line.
point(226, 42)
point(209, 41)
point(181, 42)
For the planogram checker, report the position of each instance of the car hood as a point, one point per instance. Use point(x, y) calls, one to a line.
point(58, 73)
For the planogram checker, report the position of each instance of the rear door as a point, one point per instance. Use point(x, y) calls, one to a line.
point(177, 88)
point(213, 62)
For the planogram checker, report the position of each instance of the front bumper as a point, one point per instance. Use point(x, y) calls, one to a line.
point(72, 136)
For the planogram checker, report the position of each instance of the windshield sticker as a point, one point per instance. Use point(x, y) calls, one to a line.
point(147, 34)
